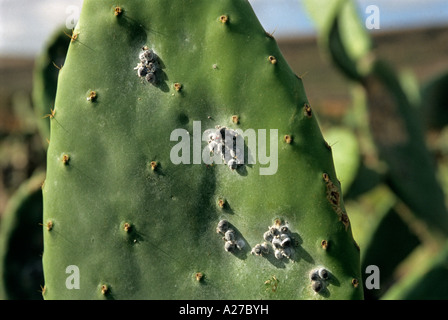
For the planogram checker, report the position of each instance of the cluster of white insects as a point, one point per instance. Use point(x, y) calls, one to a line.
point(147, 66)
point(319, 278)
point(228, 144)
point(231, 243)
point(278, 235)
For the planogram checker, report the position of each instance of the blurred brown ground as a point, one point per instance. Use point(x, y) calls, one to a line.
point(424, 51)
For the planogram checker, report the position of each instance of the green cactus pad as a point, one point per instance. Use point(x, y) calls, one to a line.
point(21, 243)
point(140, 226)
point(342, 35)
point(399, 137)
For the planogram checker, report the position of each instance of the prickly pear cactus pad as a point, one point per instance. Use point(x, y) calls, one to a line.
point(186, 162)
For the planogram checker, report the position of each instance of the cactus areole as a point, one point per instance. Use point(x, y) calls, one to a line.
point(186, 162)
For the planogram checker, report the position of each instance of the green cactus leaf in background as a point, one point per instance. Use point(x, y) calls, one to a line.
point(135, 209)
point(392, 117)
point(427, 282)
point(341, 35)
point(434, 107)
point(45, 77)
point(391, 241)
point(401, 143)
point(21, 243)
point(393, 121)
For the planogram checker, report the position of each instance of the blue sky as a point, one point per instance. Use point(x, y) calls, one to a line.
point(288, 17)
point(25, 24)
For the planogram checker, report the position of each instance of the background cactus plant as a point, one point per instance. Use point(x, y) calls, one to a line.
point(139, 226)
point(45, 77)
point(21, 243)
point(396, 113)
